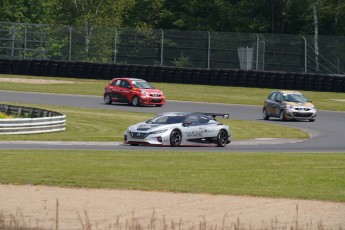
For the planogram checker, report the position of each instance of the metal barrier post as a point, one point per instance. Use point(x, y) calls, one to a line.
point(305, 55)
point(115, 45)
point(208, 50)
point(70, 44)
point(162, 46)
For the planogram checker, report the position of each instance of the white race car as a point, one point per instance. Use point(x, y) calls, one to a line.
point(180, 128)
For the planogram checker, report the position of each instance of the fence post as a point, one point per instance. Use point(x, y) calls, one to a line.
point(208, 50)
point(25, 40)
point(13, 38)
point(305, 55)
point(70, 44)
point(115, 45)
point(162, 47)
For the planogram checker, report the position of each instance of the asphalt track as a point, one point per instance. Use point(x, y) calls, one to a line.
point(327, 133)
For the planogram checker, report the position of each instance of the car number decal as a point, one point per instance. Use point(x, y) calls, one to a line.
point(194, 134)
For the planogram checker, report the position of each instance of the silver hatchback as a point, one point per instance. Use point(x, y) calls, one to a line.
point(288, 105)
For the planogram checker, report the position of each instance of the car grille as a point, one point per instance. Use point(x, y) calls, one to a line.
point(296, 114)
point(302, 109)
point(157, 100)
point(155, 95)
point(138, 135)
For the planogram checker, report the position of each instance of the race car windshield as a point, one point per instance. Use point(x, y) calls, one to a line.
point(294, 98)
point(166, 119)
point(142, 85)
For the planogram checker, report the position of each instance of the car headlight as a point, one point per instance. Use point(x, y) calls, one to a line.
point(159, 131)
point(288, 106)
point(144, 92)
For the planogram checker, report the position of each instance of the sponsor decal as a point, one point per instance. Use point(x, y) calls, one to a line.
point(194, 134)
point(209, 130)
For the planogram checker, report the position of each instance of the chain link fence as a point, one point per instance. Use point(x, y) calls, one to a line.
point(194, 49)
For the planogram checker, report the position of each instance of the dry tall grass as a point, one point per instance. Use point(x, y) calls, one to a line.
point(18, 221)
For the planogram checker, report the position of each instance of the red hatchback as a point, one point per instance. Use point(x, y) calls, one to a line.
point(133, 91)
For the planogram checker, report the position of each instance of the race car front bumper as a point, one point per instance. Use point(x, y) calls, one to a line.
point(301, 114)
point(149, 100)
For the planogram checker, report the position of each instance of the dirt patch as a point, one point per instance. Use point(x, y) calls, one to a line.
point(118, 209)
point(34, 81)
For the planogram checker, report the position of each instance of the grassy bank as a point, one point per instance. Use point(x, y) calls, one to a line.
point(291, 175)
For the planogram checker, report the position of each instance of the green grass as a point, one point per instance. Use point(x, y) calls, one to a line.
point(183, 92)
point(105, 125)
point(4, 116)
point(291, 175)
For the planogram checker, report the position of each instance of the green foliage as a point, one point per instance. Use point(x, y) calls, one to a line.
point(90, 13)
point(24, 11)
point(292, 17)
point(4, 116)
point(181, 62)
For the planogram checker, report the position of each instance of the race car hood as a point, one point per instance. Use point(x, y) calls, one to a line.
point(299, 104)
point(145, 127)
point(151, 91)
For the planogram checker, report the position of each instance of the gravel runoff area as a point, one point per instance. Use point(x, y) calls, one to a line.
point(80, 208)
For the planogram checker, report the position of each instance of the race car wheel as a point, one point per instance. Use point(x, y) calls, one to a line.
point(282, 115)
point(222, 138)
point(135, 101)
point(175, 138)
point(264, 114)
point(107, 99)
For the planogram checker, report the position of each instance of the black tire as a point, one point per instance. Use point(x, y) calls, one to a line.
point(222, 138)
point(175, 138)
point(107, 99)
point(264, 114)
point(135, 101)
point(133, 144)
point(282, 115)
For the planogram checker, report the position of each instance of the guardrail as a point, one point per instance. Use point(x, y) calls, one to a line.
point(223, 77)
point(30, 120)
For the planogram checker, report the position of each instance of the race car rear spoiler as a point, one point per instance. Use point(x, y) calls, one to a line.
point(214, 115)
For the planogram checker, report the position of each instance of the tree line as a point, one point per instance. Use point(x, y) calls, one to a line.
point(324, 17)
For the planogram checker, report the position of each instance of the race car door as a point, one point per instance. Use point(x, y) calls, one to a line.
point(193, 129)
point(120, 90)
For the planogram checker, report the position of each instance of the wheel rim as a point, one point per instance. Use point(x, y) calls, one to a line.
point(107, 99)
point(264, 114)
point(175, 138)
point(222, 138)
point(135, 101)
point(281, 116)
